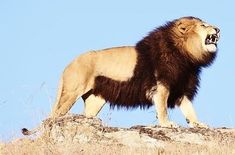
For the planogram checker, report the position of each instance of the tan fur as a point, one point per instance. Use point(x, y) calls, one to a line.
point(93, 105)
point(160, 100)
point(187, 109)
point(121, 63)
point(78, 78)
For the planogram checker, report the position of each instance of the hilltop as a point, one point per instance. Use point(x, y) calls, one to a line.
point(76, 134)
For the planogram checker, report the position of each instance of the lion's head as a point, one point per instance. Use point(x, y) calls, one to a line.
point(196, 36)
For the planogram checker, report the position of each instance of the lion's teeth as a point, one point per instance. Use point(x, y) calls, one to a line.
point(212, 39)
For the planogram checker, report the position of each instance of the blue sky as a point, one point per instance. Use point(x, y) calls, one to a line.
point(39, 38)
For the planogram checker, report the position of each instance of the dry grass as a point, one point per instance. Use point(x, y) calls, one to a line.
point(44, 147)
point(41, 147)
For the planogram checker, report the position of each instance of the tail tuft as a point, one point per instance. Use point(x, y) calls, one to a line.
point(25, 131)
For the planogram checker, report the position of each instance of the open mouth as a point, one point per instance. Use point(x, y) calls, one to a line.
point(212, 39)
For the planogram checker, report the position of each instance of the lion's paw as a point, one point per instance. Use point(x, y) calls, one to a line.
point(198, 125)
point(169, 124)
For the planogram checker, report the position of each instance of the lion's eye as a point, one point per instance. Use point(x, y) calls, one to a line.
point(203, 25)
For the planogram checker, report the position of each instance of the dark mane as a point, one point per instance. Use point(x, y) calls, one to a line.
point(158, 59)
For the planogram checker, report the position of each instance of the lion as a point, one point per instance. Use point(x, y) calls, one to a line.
point(162, 69)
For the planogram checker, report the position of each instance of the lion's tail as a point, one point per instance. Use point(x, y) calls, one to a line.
point(58, 97)
point(25, 131)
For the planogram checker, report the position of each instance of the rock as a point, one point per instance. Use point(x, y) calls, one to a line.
point(81, 135)
point(79, 129)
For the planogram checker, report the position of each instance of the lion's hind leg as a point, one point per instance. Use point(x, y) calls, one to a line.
point(72, 86)
point(64, 105)
point(93, 104)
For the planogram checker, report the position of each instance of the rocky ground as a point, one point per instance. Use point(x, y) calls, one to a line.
point(75, 134)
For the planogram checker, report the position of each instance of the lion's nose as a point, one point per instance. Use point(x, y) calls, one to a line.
point(217, 30)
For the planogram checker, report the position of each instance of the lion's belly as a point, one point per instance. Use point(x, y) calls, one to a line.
point(128, 94)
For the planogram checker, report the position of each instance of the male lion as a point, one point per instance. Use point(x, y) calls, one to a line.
point(162, 70)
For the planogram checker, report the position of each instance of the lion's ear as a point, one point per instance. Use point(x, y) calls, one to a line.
point(183, 28)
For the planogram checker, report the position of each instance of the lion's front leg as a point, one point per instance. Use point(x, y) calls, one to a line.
point(160, 102)
point(190, 114)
